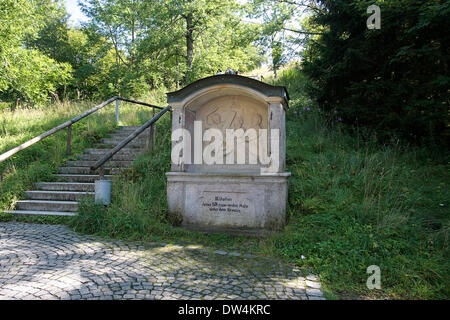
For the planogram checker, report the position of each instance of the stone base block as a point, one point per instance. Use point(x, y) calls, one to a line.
point(229, 203)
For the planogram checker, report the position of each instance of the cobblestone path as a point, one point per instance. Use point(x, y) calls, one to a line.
point(52, 262)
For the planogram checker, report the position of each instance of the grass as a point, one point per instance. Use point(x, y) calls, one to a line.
point(355, 203)
point(352, 203)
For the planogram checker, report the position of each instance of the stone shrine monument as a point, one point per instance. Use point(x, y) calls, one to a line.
point(228, 156)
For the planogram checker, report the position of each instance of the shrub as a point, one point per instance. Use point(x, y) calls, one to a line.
point(394, 80)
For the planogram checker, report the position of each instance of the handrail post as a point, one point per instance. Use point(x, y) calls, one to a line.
point(69, 140)
point(117, 111)
point(151, 136)
point(101, 173)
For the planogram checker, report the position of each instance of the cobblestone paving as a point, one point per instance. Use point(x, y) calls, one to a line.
point(53, 262)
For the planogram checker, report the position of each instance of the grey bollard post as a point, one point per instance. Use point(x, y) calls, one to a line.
point(103, 192)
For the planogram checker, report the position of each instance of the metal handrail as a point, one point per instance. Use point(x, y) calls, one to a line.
point(140, 102)
point(128, 139)
point(68, 124)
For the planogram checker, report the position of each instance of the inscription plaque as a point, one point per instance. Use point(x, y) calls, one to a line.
point(225, 204)
point(218, 205)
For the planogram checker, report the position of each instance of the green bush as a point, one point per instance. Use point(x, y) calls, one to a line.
point(393, 81)
point(353, 204)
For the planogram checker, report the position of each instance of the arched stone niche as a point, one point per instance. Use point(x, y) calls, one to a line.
point(236, 198)
point(229, 111)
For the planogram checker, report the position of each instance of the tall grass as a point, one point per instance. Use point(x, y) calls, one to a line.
point(355, 203)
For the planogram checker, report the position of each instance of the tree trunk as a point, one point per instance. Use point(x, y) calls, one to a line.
point(178, 71)
point(189, 45)
point(132, 53)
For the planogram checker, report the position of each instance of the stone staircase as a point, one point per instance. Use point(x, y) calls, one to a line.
point(74, 180)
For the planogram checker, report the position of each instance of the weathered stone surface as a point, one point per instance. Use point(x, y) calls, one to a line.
point(229, 195)
point(51, 262)
point(312, 277)
point(314, 292)
point(244, 203)
point(313, 284)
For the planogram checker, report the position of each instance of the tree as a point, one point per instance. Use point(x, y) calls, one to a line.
point(126, 48)
point(52, 35)
point(200, 22)
point(26, 72)
point(394, 80)
point(163, 43)
point(275, 17)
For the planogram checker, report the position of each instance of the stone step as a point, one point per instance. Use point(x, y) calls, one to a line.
point(141, 137)
point(124, 134)
point(109, 146)
point(87, 163)
point(119, 139)
point(87, 170)
point(43, 213)
point(117, 157)
point(65, 186)
point(58, 195)
point(81, 177)
point(47, 205)
point(124, 151)
point(116, 141)
point(127, 128)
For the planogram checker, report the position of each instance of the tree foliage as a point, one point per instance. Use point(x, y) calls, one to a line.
point(126, 48)
point(393, 80)
point(275, 18)
point(26, 72)
point(171, 42)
